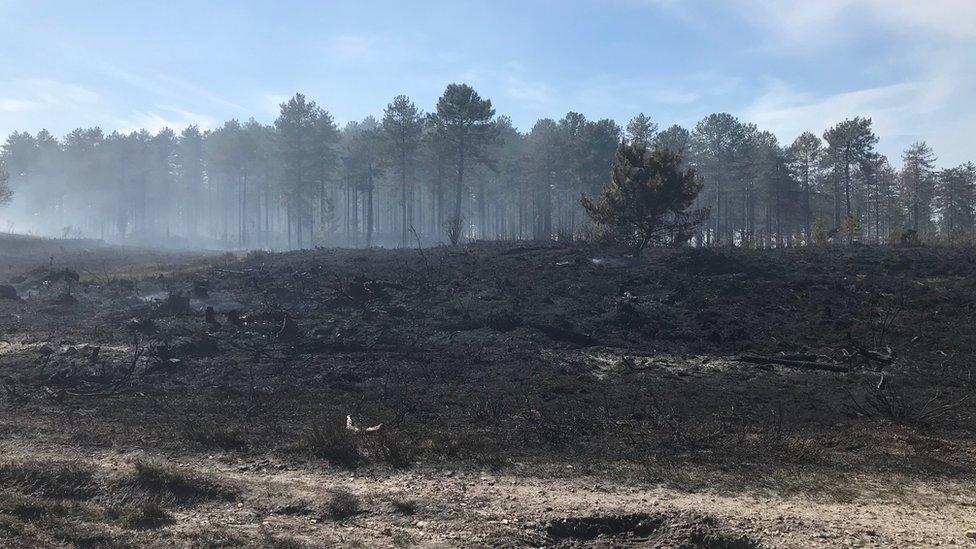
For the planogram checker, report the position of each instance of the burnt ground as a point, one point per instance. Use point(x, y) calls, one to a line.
point(528, 395)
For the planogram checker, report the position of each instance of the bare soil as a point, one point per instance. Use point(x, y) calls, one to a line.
point(526, 395)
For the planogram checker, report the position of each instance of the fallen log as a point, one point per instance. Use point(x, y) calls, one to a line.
point(792, 363)
point(869, 355)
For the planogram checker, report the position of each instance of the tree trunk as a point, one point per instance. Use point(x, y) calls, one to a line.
point(806, 201)
point(458, 191)
point(244, 210)
point(369, 209)
point(403, 198)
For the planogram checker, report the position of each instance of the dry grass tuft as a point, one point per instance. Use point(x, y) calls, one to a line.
point(333, 442)
point(50, 479)
point(343, 505)
point(158, 481)
point(144, 515)
point(406, 507)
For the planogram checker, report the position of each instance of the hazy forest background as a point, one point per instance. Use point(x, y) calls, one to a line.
point(462, 171)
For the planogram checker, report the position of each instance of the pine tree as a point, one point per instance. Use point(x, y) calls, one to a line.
point(509, 189)
point(119, 166)
point(255, 184)
point(600, 142)
point(718, 143)
point(769, 185)
point(918, 185)
point(20, 152)
point(50, 178)
point(891, 214)
point(955, 201)
point(571, 142)
point(83, 149)
point(803, 156)
point(296, 127)
point(189, 173)
point(160, 181)
point(325, 160)
point(364, 142)
point(647, 198)
point(849, 143)
point(675, 138)
point(403, 129)
point(547, 166)
point(6, 193)
point(641, 129)
point(465, 120)
point(873, 177)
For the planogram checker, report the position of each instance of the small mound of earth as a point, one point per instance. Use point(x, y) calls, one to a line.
point(8, 292)
point(666, 529)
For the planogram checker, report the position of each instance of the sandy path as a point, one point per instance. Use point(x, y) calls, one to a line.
point(462, 509)
point(468, 509)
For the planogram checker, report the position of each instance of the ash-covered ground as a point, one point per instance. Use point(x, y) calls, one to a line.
point(486, 395)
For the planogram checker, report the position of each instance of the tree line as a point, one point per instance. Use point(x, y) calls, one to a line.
point(460, 171)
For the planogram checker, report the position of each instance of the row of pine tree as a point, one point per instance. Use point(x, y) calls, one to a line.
point(461, 171)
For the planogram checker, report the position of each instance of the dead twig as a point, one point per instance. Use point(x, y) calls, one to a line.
point(793, 363)
point(885, 401)
point(125, 374)
point(420, 248)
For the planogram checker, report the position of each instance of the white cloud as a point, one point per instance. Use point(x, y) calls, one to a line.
point(934, 109)
point(170, 88)
point(936, 40)
point(813, 23)
point(36, 103)
point(957, 18)
point(271, 103)
point(786, 111)
point(54, 92)
point(532, 94)
point(183, 88)
point(13, 104)
point(174, 118)
point(528, 97)
point(42, 93)
point(667, 100)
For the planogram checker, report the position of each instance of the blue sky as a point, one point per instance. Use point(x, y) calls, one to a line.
point(787, 65)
